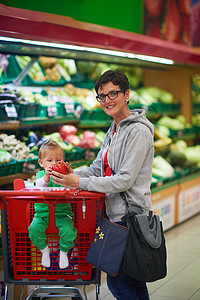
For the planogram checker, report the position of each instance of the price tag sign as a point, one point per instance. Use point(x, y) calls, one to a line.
point(52, 111)
point(69, 107)
point(28, 168)
point(11, 111)
point(79, 111)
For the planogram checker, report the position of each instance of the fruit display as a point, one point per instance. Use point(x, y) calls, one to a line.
point(49, 65)
point(82, 145)
point(195, 26)
point(168, 20)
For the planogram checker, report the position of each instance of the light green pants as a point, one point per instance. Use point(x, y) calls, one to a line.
point(67, 232)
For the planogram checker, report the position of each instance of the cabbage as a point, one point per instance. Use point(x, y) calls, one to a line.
point(161, 167)
point(193, 154)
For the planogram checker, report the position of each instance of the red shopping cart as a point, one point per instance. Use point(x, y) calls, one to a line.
point(22, 260)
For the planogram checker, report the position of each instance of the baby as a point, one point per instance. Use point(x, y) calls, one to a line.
point(50, 154)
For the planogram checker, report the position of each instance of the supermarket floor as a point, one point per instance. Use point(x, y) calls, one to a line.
point(183, 279)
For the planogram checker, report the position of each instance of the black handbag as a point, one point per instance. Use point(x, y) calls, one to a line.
point(108, 245)
point(145, 255)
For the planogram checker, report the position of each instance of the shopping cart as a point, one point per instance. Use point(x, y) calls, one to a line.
point(22, 260)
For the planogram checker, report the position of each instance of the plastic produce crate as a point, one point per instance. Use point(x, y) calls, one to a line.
point(24, 261)
point(27, 165)
point(28, 110)
point(75, 154)
point(8, 168)
point(14, 69)
point(8, 112)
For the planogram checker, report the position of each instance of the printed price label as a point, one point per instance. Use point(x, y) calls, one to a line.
point(79, 111)
point(69, 107)
point(28, 168)
point(52, 111)
point(11, 111)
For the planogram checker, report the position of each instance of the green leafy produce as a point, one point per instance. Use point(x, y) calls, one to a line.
point(193, 154)
point(55, 136)
point(85, 67)
point(177, 158)
point(181, 145)
point(5, 156)
point(171, 123)
point(35, 71)
point(152, 94)
point(166, 97)
point(162, 168)
point(164, 130)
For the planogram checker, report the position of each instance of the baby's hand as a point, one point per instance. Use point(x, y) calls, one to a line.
point(48, 170)
point(47, 174)
point(69, 169)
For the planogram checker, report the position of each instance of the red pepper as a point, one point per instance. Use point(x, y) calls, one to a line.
point(60, 168)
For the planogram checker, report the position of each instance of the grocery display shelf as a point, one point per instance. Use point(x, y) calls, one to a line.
point(161, 185)
point(10, 125)
point(180, 177)
point(157, 109)
point(94, 123)
point(43, 121)
point(25, 24)
point(15, 125)
point(184, 136)
point(10, 178)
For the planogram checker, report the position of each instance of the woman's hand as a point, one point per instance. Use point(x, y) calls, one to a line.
point(68, 181)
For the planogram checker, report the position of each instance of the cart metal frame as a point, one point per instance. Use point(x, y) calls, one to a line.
point(68, 288)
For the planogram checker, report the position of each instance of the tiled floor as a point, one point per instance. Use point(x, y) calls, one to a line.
point(183, 279)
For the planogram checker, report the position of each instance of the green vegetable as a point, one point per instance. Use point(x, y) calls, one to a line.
point(177, 158)
point(5, 156)
point(161, 167)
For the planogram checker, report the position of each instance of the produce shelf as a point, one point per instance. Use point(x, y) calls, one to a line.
point(10, 178)
point(26, 24)
point(43, 121)
point(161, 185)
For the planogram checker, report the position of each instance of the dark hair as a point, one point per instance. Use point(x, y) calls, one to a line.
point(117, 77)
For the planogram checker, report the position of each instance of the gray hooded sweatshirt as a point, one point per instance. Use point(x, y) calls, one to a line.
point(130, 156)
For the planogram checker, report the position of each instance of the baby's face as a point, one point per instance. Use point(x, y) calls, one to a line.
point(52, 157)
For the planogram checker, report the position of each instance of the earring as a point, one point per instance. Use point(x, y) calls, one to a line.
point(127, 101)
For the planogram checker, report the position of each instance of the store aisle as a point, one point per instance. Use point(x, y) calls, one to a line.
point(183, 279)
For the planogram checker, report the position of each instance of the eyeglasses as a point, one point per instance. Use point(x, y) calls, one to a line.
point(111, 95)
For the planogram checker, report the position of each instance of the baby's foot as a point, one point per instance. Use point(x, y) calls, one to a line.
point(45, 257)
point(63, 262)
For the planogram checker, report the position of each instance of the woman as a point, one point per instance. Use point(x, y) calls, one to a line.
point(124, 164)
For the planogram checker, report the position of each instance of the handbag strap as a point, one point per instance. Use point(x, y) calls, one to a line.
point(133, 209)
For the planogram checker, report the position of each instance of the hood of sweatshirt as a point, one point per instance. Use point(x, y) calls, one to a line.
point(138, 115)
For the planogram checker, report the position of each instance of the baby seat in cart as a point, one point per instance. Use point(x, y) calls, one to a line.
point(22, 260)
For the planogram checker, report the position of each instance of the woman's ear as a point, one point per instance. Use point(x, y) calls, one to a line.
point(127, 94)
